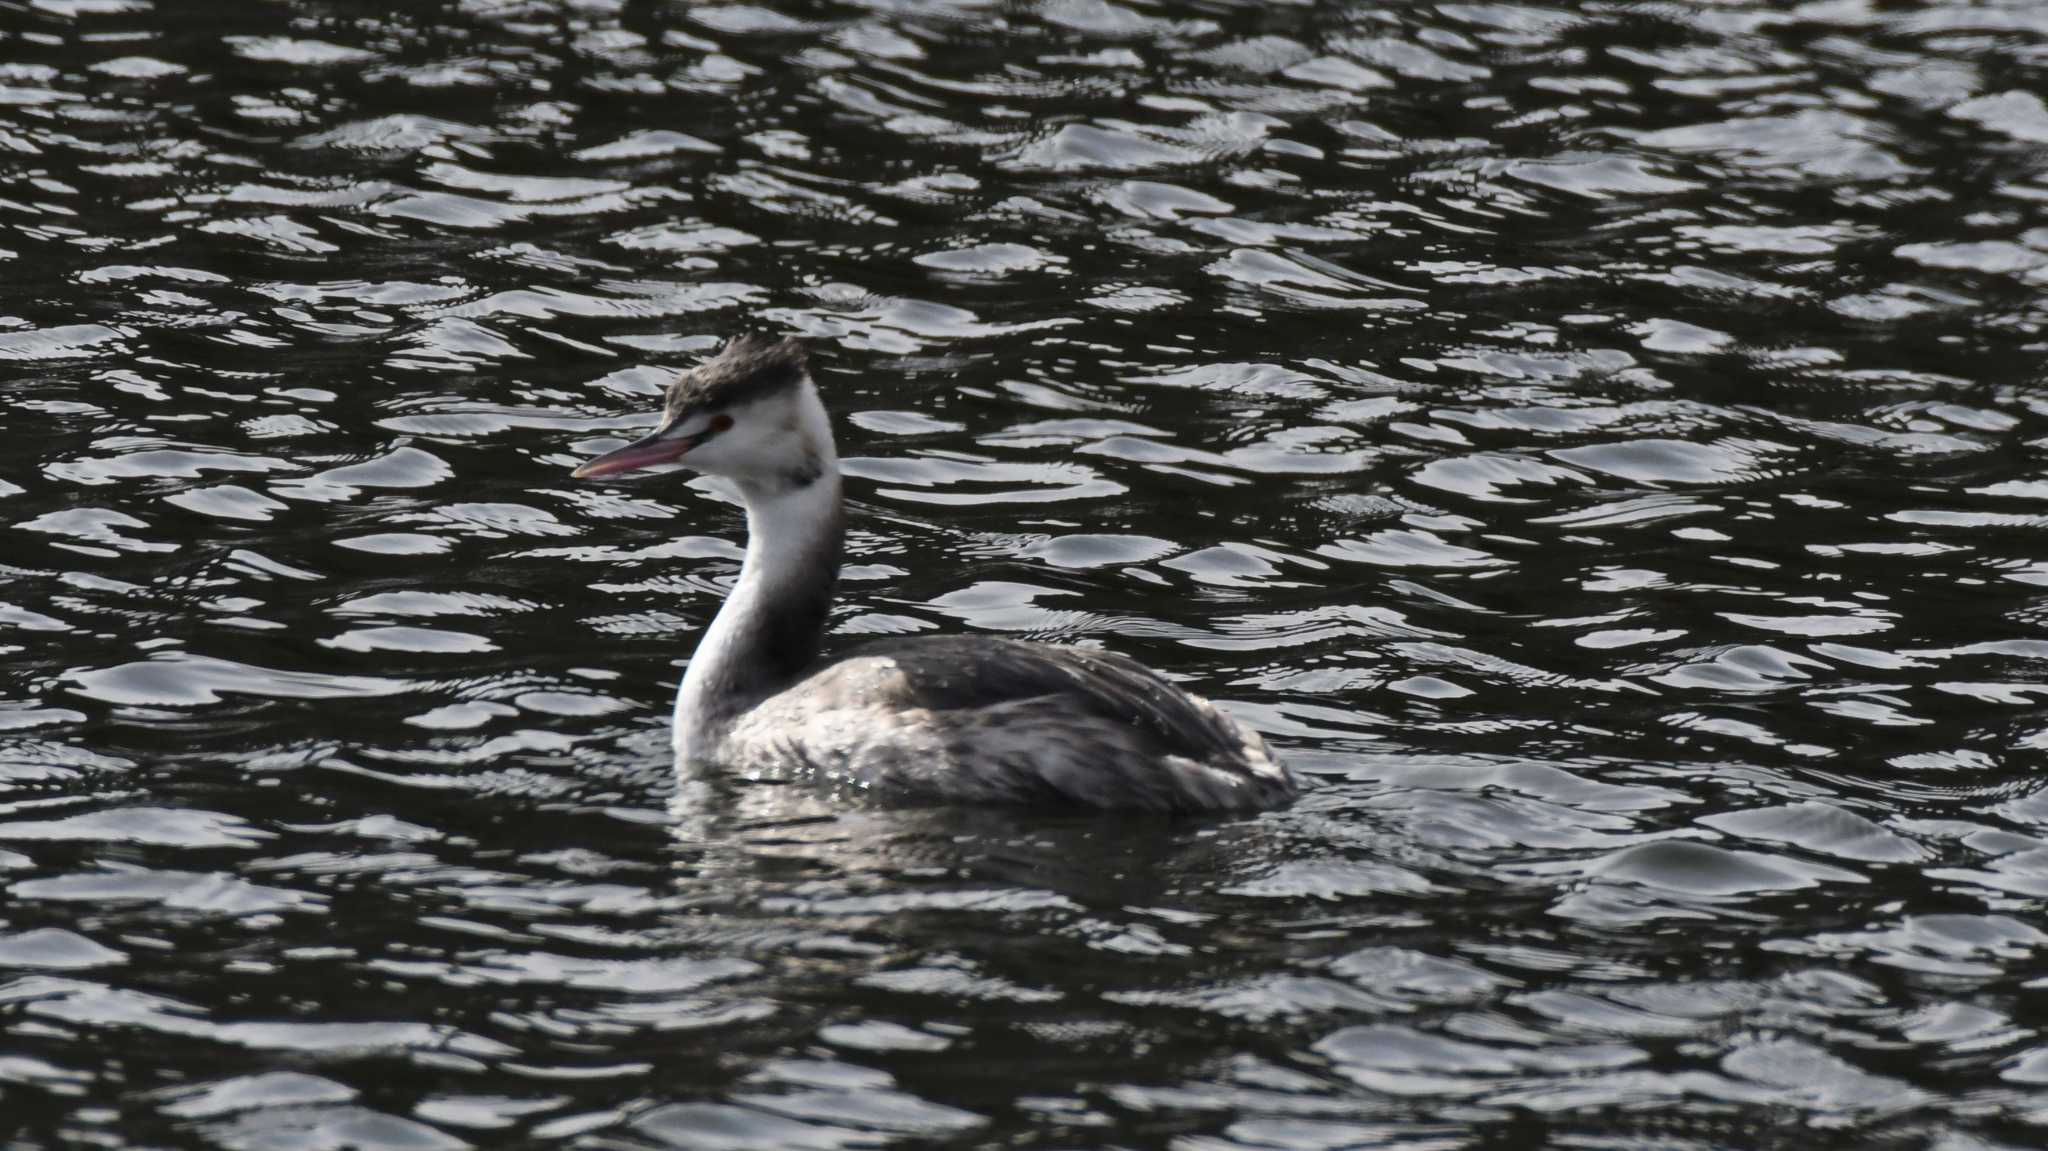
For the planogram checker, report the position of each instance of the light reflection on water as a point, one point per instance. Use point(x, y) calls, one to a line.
point(1599, 447)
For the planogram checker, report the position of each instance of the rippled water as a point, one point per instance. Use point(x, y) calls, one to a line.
point(1602, 448)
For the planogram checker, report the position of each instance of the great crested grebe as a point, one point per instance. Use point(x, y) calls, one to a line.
point(946, 719)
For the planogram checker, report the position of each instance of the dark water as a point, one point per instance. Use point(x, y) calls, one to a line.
point(1602, 448)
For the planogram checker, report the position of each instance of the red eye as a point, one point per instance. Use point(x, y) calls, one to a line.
point(720, 422)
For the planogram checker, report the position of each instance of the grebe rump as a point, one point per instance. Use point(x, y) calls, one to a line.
point(959, 718)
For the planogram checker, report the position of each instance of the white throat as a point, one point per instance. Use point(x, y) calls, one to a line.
point(767, 630)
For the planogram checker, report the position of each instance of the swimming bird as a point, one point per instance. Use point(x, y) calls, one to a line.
point(922, 719)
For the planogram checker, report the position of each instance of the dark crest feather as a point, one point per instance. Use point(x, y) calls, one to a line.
point(747, 368)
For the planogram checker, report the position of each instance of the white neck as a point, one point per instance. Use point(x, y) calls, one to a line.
point(768, 630)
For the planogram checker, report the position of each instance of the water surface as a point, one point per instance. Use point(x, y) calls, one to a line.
point(1601, 447)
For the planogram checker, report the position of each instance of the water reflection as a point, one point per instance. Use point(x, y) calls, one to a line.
point(1600, 447)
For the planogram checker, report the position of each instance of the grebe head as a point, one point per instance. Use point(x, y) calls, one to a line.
point(749, 413)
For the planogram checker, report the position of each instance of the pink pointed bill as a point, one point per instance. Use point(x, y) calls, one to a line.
point(645, 452)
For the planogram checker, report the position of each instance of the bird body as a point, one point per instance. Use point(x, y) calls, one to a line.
point(970, 719)
point(935, 719)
